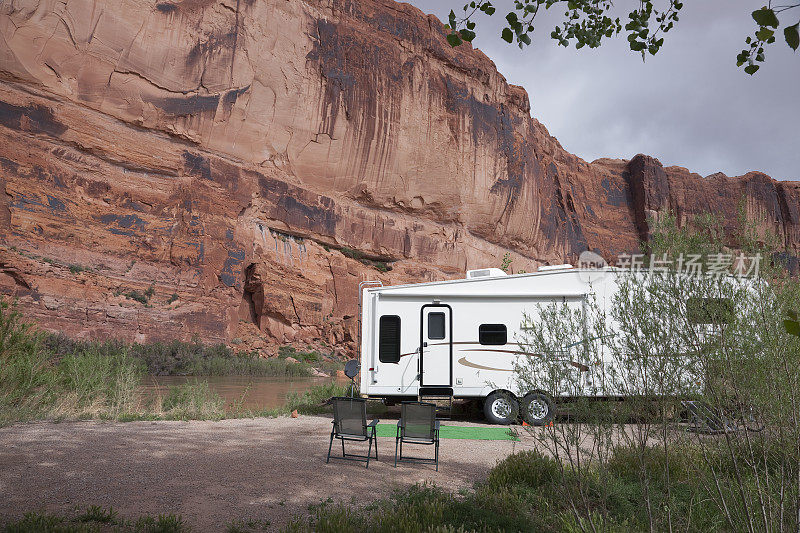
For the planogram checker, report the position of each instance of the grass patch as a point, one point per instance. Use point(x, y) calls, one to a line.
point(51, 376)
point(94, 519)
point(242, 525)
point(193, 400)
point(526, 492)
point(35, 382)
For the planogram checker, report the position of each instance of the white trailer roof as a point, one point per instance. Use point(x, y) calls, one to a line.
point(562, 282)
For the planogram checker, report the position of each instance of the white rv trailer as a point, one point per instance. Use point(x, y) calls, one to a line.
point(457, 338)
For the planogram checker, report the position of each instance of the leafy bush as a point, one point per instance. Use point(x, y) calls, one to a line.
point(381, 266)
point(138, 296)
point(351, 253)
point(528, 468)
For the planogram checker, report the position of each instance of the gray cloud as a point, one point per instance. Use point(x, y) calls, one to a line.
point(689, 105)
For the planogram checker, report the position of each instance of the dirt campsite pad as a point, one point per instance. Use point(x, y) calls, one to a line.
point(214, 472)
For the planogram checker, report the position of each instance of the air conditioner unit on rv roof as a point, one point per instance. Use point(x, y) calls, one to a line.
point(485, 273)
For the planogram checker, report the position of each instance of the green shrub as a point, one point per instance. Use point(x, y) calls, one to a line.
point(138, 296)
point(381, 266)
point(173, 298)
point(351, 253)
point(529, 468)
point(313, 400)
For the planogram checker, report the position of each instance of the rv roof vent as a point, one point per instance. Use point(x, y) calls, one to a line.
point(484, 273)
point(553, 267)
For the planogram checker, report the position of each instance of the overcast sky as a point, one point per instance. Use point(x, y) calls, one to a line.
point(689, 105)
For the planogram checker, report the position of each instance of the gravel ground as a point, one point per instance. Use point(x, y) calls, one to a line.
point(212, 472)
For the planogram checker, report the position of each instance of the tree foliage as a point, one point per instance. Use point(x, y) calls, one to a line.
point(587, 22)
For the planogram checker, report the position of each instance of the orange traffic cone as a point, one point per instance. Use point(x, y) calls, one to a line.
point(525, 423)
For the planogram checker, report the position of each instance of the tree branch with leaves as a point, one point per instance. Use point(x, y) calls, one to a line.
point(586, 23)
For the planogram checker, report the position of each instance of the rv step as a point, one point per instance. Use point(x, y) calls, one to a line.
point(704, 419)
point(442, 398)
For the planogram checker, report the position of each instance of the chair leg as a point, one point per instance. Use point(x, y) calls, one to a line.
point(396, 441)
point(369, 451)
point(343, 454)
point(375, 436)
point(437, 455)
point(328, 460)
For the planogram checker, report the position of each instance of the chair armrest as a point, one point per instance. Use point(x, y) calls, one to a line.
point(373, 424)
point(436, 426)
point(400, 423)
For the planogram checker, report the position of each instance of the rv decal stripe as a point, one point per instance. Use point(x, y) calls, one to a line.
point(516, 352)
point(464, 362)
point(580, 366)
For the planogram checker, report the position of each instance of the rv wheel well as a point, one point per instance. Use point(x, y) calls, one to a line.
point(502, 391)
point(539, 391)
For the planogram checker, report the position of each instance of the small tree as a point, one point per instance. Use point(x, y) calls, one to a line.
point(669, 338)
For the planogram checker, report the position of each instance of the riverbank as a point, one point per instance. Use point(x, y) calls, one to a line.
point(213, 473)
point(51, 377)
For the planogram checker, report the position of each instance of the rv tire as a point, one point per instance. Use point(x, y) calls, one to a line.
point(501, 408)
point(537, 409)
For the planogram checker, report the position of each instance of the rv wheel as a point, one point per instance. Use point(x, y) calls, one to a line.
point(501, 408)
point(537, 409)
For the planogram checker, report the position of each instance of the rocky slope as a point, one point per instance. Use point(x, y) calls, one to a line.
point(234, 168)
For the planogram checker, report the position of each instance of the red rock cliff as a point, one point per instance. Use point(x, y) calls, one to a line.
point(215, 167)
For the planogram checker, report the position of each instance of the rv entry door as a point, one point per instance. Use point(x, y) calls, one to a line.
point(436, 346)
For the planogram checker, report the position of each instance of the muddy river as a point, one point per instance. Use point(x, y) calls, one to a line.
point(252, 392)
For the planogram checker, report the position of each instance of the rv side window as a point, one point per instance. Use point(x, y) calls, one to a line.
point(389, 339)
point(436, 326)
point(709, 310)
point(492, 334)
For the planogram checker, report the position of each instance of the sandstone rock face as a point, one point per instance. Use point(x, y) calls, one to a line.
point(235, 168)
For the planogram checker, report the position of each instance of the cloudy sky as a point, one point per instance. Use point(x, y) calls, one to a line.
point(689, 105)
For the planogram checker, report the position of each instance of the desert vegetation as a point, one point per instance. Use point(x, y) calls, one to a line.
point(95, 518)
point(708, 429)
point(191, 358)
point(51, 376)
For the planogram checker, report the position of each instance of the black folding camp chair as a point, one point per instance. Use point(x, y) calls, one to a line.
point(350, 423)
point(417, 425)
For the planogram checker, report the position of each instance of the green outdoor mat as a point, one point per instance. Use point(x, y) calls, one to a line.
point(457, 432)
